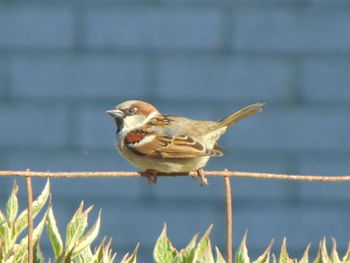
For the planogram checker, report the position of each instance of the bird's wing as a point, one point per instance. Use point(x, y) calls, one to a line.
point(154, 145)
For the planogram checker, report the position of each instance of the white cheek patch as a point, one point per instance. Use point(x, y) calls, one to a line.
point(145, 140)
point(135, 122)
point(131, 123)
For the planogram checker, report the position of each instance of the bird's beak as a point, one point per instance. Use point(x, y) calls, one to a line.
point(115, 113)
point(118, 116)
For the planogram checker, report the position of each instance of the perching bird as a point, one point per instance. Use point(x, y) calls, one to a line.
point(159, 143)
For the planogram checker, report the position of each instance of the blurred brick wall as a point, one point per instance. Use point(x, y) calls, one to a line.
point(62, 64)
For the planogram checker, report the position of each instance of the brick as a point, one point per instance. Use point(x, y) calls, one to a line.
point(5, 188)
point(92, 190)
point(338, 192)
point(299, 29)
point(323, 163)
point(24, 126)
point(39, 26)
point(221, 77)
point(330, 164)
point(57, 159)
point(325, 80)
point(78, 77)
point(101, 133)
point(2, 78)
point(336, 3)
point(294, 129)
point(153, 27)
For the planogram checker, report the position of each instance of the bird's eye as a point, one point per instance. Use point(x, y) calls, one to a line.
point(130, 111)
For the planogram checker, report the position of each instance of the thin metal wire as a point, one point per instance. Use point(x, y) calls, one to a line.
point(293, 177)
point(228, 218)
point(30, 218)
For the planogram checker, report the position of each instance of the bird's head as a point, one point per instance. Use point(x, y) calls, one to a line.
point(132, 114)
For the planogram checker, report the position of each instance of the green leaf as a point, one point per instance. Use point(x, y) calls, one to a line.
point(334, 253)
point(265, 257)
point(305, 258)
point(132, 258)
point(60, 259)
point(67, 258)
point(219, 257)
point(54, 233)
point(164, 252)
point(203, 251)
point(22, 249)
point(76, 227)
point(241, 255)
point(38, 204)
point(5, 235)
point(2, 221)
point(38, 255)
point(186, 255)
point(88, 238)
point(284, 257)
point(104, 252)
point(99, 250)
point(274, 258)
point(84, 256)
point(325, 256)
point(1, 251)
point(9, 260)
point(322, 254)
point(346, 257)
point(12, 205)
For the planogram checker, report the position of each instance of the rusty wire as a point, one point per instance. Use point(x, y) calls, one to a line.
point(293, 177)
point(228, 196)
point(30, 219)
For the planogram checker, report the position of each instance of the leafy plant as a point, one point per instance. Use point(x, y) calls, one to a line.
point(201, 252)
point(164, 251)
point(77, 245)
point(12, 226)
point(321, 257)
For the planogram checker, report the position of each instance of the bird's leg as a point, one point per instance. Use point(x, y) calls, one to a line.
point(152, 176)
point(204, 180)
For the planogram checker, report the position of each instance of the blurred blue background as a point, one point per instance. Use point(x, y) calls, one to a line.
point(63, 63)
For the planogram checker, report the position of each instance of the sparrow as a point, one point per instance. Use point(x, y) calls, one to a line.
point(160, 143)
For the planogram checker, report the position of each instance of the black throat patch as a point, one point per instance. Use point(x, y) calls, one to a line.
point(120, 123)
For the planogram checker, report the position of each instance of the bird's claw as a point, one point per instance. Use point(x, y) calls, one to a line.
point(203, 179)
point(151, 176)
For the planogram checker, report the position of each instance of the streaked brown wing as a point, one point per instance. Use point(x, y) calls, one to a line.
point(157, 146)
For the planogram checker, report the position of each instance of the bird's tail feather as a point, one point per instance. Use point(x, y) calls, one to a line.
point(240, 115)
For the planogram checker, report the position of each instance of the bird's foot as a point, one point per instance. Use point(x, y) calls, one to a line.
point(151, 176)
point(203, 179)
